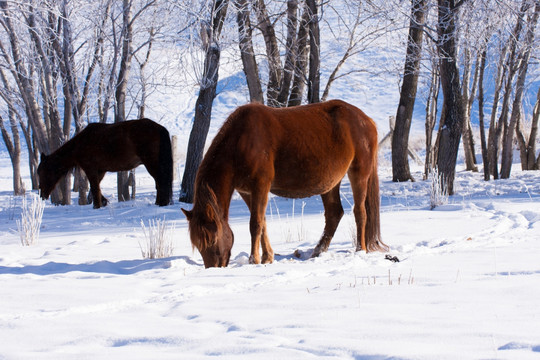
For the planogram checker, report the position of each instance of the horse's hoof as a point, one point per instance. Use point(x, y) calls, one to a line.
point(316, 252)
point(268, 259)
point(253, 260)
point(359, 248)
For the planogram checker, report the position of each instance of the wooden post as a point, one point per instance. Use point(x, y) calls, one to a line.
point(174, 146)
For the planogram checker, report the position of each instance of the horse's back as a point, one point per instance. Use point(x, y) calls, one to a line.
point(119, 146)
point(305, 150)
point(333, 117)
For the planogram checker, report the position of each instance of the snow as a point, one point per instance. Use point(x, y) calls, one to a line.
point(466, 285)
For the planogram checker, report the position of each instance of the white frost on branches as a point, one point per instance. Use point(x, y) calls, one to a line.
point(438, 190)
point(30, 223)
point(158, 237)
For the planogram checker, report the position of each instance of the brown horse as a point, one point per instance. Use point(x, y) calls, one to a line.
point(292, 152)
point(100, 148)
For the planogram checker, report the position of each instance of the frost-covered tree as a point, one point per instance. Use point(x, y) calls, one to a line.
point(211, 32)
point(400, 138)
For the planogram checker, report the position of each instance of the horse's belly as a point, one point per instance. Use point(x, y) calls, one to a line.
point(307, 181)
point(298, 193)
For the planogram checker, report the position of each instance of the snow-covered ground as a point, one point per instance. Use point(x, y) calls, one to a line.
point(466, 287)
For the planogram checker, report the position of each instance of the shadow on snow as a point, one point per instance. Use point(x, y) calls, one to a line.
point(124, 267)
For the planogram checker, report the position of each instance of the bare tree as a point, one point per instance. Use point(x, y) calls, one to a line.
point(272, 52)
point(354, 32)
point(495, 128)
point(400, 137)
point(13, 144)
point(314, 73)
point(291, 49)
point(453, 111)
point(12, 138)
point(534, 127)
point(76, 100)
point(207, 93)
point(286, 82)
point(469, 95)
point(121, 86)
point(483, 142)
point(471, 42)
point(247, 53)
point(33, 67)
point(51, 64)
point(431, 116)
point(528, 148)
point(521, 66)
point(301, 62)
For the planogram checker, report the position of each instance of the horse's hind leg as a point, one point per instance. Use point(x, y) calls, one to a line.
point(333, 212)
point(163, 189)
point(359, 184)
point(163, 179)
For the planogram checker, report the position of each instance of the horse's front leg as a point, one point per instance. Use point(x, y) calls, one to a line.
point(99, 199)
point(259, 237)
point(268, 253)
point(257, 227)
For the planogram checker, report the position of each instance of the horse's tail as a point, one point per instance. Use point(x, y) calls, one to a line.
point(372, 205)
point(165, 166)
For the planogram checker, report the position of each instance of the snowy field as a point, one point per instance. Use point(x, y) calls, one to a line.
point(467, 285)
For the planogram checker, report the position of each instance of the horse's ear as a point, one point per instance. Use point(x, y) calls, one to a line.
point(188, 213)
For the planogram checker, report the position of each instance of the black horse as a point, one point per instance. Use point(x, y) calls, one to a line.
point(100, 148)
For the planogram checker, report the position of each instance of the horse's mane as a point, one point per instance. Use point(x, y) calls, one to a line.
point(205, 223)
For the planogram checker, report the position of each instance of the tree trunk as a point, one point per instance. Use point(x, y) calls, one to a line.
point(203, 106)
point(74, 97)
point(272, 53)
point(522, 65)
point(251, 69)
point(291, 52)
point(494, 128)
point(301, 62)
point(522, 142)
point(58, 133)
point(314, 78)
point(468, 98)
point(431, 117)
point(13, 145)
point(25, 83)
point(33, 154)
point(121, 90)
point(532, 164)
point(453, 106)
point(483, 143)
point(400, 138)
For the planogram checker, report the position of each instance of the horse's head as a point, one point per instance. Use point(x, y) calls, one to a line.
point(210, 233)
point(47, 179)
